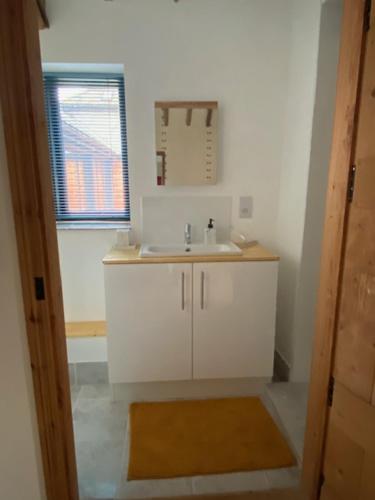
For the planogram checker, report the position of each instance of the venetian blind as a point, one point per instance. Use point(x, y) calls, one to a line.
point(88, 147)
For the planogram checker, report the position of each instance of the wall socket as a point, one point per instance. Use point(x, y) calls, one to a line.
point(246, 207)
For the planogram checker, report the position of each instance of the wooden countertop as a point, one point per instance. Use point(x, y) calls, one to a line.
point(251, 253)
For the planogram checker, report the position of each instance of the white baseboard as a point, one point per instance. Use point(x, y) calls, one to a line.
point(281, 367)
point(189, 389)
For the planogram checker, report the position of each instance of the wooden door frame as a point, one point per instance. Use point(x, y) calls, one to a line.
point(21, 94)
point(353, 39)
point(22, 106)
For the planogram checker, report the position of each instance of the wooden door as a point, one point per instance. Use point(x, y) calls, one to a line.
point(26, 142)
point(234, 308)
point(149, 318)
point(349, 456)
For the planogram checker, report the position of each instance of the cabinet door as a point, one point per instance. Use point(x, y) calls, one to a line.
point(234, 319)
point(149, 315)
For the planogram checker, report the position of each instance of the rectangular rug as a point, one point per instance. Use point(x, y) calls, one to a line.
point(212, 436)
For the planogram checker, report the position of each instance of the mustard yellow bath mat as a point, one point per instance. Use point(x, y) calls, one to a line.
point(191, 438)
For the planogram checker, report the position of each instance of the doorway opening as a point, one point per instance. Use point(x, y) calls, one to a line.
point(294, 364)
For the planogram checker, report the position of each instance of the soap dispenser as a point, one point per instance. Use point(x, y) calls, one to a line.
point(210, 233)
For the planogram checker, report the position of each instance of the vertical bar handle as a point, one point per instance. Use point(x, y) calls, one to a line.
point(183, 291)
point(202, 289)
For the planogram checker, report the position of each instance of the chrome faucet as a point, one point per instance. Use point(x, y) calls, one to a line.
point(187, 234)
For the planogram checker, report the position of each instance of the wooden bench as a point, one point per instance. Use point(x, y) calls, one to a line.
point(86, 329)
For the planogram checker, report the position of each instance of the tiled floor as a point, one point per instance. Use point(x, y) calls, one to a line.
point(290, 401)
point(100, 428)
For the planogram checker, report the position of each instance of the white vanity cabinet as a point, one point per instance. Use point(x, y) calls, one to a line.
point(234, 306)
point(149, 320)
point(184, 321)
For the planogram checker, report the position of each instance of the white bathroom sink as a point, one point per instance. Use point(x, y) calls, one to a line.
point(193, 249)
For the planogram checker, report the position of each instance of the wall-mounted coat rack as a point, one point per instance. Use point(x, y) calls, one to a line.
point(165, 106)
point(186, 142)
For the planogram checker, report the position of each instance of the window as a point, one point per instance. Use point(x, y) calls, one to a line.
point(88, 148)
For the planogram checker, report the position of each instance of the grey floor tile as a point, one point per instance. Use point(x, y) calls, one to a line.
point(99, 468)
point(93, 498)
point(230, 483)
point(92, 373)
point(155, 488)
point(74, 394)
point(99, 430)
point(290, 401)
point(99, 419)
point(72, 374)
point(284, 478)
point(94, 490)
point(95, 391)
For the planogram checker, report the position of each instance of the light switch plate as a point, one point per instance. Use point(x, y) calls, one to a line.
point(246, 207)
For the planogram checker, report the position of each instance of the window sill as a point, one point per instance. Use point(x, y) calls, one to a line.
point(92, 225)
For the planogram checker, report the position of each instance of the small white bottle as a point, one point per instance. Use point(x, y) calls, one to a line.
point(210, 233)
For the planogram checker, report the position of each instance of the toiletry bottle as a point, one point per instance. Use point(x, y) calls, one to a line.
point(210, 233)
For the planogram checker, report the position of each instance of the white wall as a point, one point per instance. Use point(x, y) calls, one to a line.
point(306, 294)
point(304, 176)
point(295, 163)
point(81, 253)
point(233, 51)
point(20, 460)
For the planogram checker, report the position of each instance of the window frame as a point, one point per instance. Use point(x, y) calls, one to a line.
point(55, 139)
